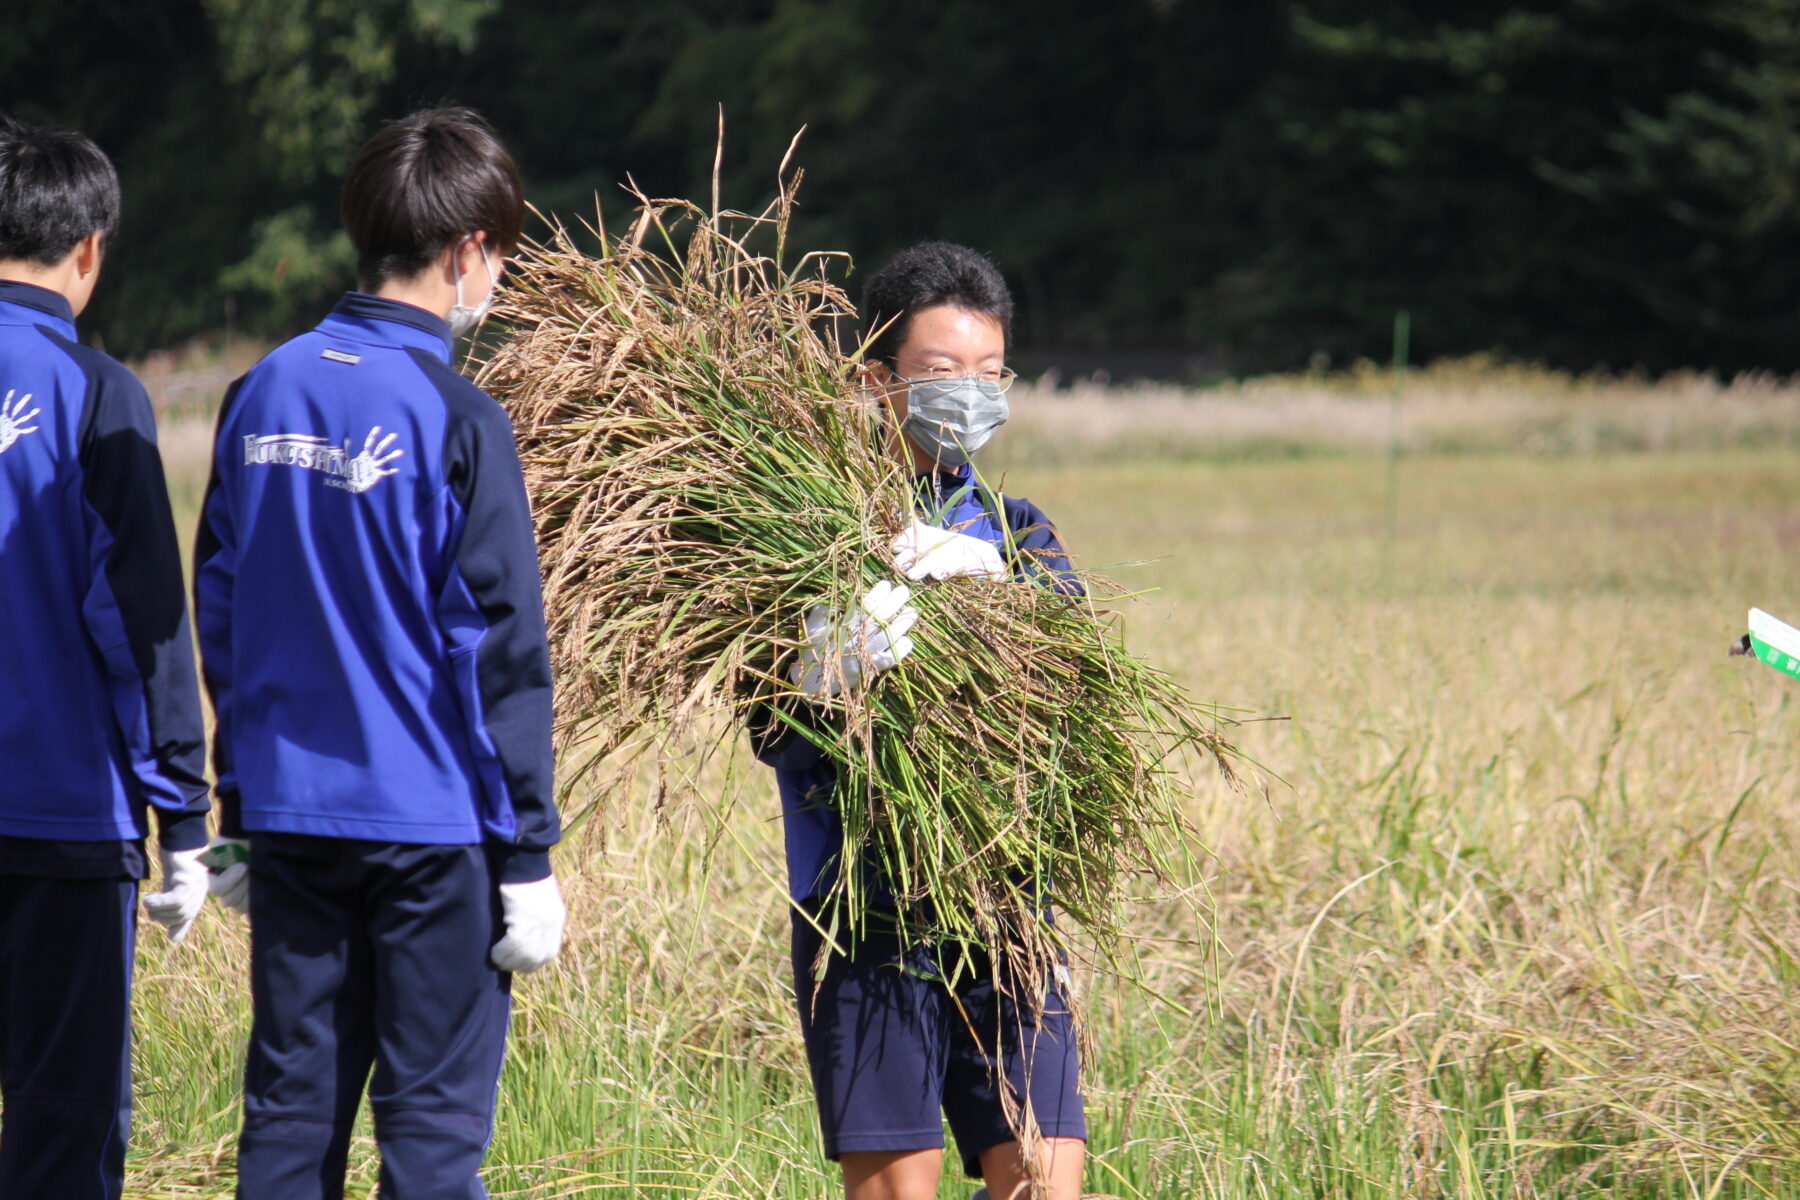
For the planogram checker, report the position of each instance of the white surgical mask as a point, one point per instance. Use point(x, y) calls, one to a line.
point(465, 320)
point(951, 419)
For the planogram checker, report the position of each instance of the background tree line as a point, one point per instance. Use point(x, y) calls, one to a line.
point(1249, 185)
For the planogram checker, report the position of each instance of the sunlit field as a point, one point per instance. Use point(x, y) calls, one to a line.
point(1514, 912)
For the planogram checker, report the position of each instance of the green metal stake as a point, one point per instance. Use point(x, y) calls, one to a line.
point(1402, 343)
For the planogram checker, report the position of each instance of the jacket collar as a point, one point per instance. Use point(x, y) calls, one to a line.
point(937, 484)
point(383, 322)
point(42, 301)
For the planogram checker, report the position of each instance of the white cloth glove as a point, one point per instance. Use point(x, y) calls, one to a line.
point(926, 552)
point(534, 915)
point(837, 651)
point(183, 891)
point(228, 872)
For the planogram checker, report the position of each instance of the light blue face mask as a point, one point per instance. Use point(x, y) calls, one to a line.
point(951, 419)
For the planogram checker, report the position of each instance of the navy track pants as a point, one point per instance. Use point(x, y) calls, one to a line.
point(370, 954)
point(65, 1035)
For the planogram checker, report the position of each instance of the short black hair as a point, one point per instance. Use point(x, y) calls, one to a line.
point(56, 188)
point(928, 275)
point(423, 183)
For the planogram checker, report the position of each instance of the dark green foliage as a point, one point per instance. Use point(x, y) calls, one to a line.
point(1582, 181)
point(1605, 181)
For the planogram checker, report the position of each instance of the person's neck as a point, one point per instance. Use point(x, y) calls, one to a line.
point(427, 290)
point(921, 461)
point(60, 278)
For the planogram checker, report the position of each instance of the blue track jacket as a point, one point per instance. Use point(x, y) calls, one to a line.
point(100, 714)
point(366, 589)
point(806, 778)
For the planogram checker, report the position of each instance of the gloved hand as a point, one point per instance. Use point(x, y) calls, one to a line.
point(184, 891)
point(926, 552)
point(228, 872)
point(836, 652)
point(534, 915)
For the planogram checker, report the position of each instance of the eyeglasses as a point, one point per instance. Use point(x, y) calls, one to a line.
point(996, 379)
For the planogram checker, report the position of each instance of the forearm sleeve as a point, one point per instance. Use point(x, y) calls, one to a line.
point(492, 614)
point(135, 608)
point(1041, 557)
point(215, 569)
point(778, 740)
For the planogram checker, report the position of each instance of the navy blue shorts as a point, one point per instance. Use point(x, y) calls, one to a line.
point(891, 1045)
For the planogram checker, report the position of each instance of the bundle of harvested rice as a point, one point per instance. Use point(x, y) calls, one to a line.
point(704, 469)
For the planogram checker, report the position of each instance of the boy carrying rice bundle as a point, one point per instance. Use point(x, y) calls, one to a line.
point(892, 1038)
point(741, 524)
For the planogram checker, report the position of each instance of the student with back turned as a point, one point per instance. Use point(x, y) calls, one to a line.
point(890, 1041)
point(100, 719)
point(372, 632)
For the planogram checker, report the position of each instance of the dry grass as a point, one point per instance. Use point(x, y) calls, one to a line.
point(1535, 875)
point(1525, 924)
point(1462, 406)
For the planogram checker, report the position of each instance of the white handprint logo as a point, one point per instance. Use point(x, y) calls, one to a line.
point(310, 452)
point(371, 466)
point(13, 417)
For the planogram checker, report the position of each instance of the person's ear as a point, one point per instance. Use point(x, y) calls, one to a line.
point(884, 383)
point(453, 262)
point(88, 253)
point(468, 254)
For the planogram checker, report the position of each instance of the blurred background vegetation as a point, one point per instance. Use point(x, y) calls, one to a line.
point(1176, 187)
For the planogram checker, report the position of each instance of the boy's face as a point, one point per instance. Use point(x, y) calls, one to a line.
point(941, 342)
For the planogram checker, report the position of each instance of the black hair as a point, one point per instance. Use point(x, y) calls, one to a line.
point(928, 275)
point(55, 189)
point(421, 184)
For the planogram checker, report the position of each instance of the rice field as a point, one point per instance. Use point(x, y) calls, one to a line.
point(1516, 915)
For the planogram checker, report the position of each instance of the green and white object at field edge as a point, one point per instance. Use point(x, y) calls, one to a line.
point(1775, 642)
point(226, 853)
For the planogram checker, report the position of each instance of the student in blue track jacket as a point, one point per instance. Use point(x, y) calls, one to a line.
point(889, 1042)
point(372, 633)
point(100, 717)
